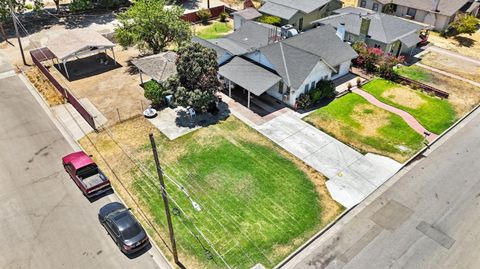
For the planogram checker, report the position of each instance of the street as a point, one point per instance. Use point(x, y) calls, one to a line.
point(46, 222)
point(427, 217)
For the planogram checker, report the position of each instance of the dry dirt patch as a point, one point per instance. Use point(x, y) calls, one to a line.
point(371, 118)
point(468, 45)
point(452, 65)
point(44, 86)
point(404, 97)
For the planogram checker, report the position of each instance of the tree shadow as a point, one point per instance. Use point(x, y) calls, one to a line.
point(203, 119)
point(465, 41)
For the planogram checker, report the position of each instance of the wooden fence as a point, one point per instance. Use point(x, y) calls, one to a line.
point(424, 87)
point(44, 54)
point(193, 17)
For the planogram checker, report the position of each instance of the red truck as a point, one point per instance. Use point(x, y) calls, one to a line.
point(86, 174)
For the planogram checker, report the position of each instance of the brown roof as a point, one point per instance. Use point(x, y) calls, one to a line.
point(159, 66)
point(445, 7)
point(67, 43)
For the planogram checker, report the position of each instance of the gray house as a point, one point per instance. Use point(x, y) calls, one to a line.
point(438, 13)
point(258, 59)
point(390, 33)
point(300, 13)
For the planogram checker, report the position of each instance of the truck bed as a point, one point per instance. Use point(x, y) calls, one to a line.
point(93, 181)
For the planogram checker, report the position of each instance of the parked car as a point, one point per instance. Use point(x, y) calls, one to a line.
point(122, 226)
point(86, 174)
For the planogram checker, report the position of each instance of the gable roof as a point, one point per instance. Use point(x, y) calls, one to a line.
point(306, 6)
point(383, 27)
point(280, 11)
point(219, 50)
point(445, 7)
point(248, 13)
point(66, 44)
point(295, 58)
point(159, 66)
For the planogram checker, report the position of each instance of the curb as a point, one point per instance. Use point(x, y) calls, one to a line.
point(76, 146)
point(347, 211)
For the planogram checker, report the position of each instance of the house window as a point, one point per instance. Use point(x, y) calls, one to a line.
point(280, 87)
point(312, 85)
point(375, 7)
point(300, 24)
point(411, 12)
point(306, 88)
point(376, 46)
point(363, 3)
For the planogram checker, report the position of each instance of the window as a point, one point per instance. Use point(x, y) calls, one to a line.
point(300, 24)
point(280, 87)
point(411, 12)
point(363, 3)
point(312, 85)
point(376, 46)
point(375, 7)
point(307, 87)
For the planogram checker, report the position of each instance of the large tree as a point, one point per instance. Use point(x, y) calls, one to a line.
point(18, 7)
point(152, 26)
point(196, 81)
point(465, 24)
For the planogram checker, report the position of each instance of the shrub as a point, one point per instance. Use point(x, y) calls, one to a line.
point(303, 101)
point(315, 95)
point(327, 88)
point(29, 6)
point(204, 14)
point(223, 16)
point(155, 92)
point(80, 5)
point(359, 82)
point(273, 20)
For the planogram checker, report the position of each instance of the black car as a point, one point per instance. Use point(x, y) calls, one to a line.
point(122, 226)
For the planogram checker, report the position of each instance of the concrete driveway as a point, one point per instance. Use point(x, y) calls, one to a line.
point(352, 176)
point(46, 222)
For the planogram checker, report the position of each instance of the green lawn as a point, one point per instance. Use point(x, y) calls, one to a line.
point(434, 113)
point(214, 30)
point(258, 205)
point(354, 121)
point(415, 72)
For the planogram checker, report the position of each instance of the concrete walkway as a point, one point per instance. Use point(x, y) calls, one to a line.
point(409, 119)
point(447, 74)
point(352, 176)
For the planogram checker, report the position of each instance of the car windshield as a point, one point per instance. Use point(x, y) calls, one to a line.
point(87, 171)
point(129, 228)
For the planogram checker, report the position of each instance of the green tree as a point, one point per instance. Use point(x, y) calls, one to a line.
point(196, 82)
point(273, 20)
point(465, 24)
point(155, 92)
point(204, 14)
point(151, 26)
point(18, 7)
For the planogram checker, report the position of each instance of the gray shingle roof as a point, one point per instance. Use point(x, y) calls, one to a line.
point(159, 66)
point(248, 13)
point(219, 50)
point(383, 28)
point(295, 58)
point(280, 11)
point(306, 6)
point(445, 7)
point(248, 75)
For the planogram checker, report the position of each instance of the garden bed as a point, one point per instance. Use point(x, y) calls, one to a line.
point(367, 128)
point(435, 114)
point(258, 202)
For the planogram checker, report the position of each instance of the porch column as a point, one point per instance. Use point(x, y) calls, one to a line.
point(229, 88)
point(114, 60)
point(65, 67)
point(248, 102)
point(141, 78)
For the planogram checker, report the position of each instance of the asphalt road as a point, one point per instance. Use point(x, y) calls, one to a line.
point(45, 221)
point(427, 217)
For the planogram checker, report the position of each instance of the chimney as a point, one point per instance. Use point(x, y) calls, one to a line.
point(341, 31)
point(435, 4)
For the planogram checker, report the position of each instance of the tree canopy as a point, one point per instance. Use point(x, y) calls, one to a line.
point(196, 81)
point(151, 26)
point(465, 24)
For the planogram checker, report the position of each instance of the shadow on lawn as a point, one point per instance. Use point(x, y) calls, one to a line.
point(203, 119)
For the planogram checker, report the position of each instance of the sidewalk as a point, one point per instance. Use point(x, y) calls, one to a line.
point(453, 54)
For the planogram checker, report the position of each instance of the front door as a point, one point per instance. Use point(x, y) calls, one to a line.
point(300, 24)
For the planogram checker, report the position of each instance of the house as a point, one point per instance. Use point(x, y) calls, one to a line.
point(438, 13)
point(300, 13)
point(392, 34)
point(243, 15)
point(258, 58)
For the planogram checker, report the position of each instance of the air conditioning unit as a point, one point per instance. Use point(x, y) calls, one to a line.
point(286, 97)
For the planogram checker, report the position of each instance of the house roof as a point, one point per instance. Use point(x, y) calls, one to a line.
point(159, 66)
point(70, 42)
point(445, 7)
point(219, 50)
point(248, 75)
point(248, 13)
point(278, 10)
point(383, 28)
point(295, 58)
point(355, 10)
point(305, 6)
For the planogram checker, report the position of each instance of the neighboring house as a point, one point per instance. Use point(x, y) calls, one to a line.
point(247, 14)
point(258, 59)
point(300, 13)
point(438, 13)
point(390, 33)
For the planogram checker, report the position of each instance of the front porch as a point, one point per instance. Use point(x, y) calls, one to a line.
point(262, 105)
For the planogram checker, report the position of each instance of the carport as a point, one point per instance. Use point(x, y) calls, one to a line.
point(249, 76)
point(77, 43)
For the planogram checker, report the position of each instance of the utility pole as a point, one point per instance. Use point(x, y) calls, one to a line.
point(165, 200)
point(16, 32)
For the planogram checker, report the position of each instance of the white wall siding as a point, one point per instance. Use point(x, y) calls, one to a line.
point(344, 69)
point(320, 71)
point(258, 57)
